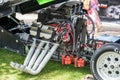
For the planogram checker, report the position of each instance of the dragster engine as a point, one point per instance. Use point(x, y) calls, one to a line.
point(17, 31)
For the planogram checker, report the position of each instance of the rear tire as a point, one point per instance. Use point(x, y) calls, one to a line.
point(105, 62)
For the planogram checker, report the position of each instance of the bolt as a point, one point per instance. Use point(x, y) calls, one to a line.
point(105, 65)
point(108, 59)
point(109, 72)
point(112, 66)
point(117, 72)
point(17, 41)
point(2, 30)
point(116, 59)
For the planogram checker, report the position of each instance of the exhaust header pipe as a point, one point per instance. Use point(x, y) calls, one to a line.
point(37, 57)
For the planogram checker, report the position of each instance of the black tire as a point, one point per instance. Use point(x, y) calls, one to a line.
point(111, 47)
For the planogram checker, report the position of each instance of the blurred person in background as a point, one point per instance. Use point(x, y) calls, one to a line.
point(93, 12)
point(92, 8)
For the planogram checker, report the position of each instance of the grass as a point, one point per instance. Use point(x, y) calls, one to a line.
point(52, 71)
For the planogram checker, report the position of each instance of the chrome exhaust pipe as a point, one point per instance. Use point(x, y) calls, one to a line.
point(27, 59)
point(41, 56)
point(30, 53)
point(36, 59)
point(40, 66)
point(36, 54)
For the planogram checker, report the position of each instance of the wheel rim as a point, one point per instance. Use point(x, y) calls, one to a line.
point(108, 66)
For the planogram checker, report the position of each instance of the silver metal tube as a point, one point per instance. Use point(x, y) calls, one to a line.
point(36, 54)
point(33, 63)
point(27, 59)
point(44, 61)
point(17, 66)
point(40, 57)
point(30, 53)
